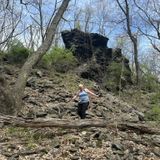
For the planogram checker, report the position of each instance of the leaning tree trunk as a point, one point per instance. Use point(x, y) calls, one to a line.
point(19, 88)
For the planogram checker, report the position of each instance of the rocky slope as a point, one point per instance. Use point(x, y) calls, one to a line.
point(46, 96)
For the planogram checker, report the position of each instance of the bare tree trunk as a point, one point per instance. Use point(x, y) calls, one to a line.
point(33, 59)
point(132, 37)
point(137, 67)
point(134, 41)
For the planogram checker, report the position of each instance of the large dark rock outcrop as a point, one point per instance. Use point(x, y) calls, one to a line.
point(85, 45)
point(98, 62)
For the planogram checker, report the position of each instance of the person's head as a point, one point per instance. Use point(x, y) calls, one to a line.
point(81, 86)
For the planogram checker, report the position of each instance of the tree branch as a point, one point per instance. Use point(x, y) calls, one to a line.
point(21, 2)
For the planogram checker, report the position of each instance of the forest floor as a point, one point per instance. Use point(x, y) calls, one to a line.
point(46, 97)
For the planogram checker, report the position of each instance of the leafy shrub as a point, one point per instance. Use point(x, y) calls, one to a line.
point(154, 113)
point(149, 81)
point(116, 76)
point(17, 52)
point(61, 59)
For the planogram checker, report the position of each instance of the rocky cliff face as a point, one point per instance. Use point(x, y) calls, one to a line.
point(96, 58)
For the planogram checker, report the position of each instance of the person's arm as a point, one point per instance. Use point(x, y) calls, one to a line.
point(91, 93)
point(74, 97)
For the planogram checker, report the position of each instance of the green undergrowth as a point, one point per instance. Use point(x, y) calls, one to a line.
point(17, 52)
point(149, 81)
point(134, 95)
point(33, 138)
point(116, 76)
point(30, 136)
point(1, 55)
point(144, 101)
point(154, 113)
point(60, 59)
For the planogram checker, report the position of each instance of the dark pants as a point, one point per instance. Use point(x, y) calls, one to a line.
point(82, 107)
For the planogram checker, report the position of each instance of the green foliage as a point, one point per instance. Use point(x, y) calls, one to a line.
point(18, 132)
point(1, 55)
point(31, 136)
point(115, 75)
point(154, 113)
point(115, 69)
point(149, 81)
point(61, 59)
point(155, 98)
point(39, 135)
point(17, 52)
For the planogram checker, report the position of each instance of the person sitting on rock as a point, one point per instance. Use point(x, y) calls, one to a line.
point(83, 104)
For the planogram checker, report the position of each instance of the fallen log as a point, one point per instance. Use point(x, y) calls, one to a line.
point(65, 123)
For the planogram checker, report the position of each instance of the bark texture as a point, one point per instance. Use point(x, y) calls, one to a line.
point(18, 91)
point(132, 36)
